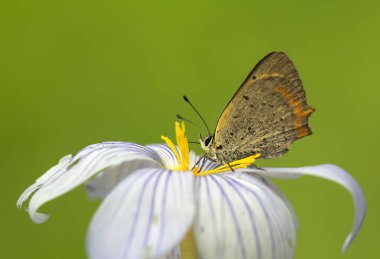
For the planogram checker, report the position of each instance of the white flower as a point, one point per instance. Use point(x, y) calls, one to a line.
point(152, 199)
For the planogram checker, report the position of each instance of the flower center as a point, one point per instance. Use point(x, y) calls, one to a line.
point(182, 154)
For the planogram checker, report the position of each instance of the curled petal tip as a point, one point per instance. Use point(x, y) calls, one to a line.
point(38, 218)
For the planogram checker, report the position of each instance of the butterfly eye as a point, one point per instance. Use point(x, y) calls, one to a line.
point(208, 141)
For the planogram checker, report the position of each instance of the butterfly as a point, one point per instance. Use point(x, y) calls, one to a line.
point(267, 113)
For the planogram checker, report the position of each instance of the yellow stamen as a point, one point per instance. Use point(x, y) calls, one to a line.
point(183, 156)
point(183, 144)
point(241, 163)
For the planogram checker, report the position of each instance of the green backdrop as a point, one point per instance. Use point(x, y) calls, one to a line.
point(73, 73)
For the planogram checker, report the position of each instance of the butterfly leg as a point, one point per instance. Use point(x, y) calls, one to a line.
point(204, 160)
point(203, 163)
point(204, 157)
point(192, 169)
point(233, 170)
point(255, 166)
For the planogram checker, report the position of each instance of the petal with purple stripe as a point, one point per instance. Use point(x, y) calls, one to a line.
point(99, 186)
point(275, 189)
point(333, 173)
point(168, 158)
point(73, 171)
point(241, 217)
point(145, 216)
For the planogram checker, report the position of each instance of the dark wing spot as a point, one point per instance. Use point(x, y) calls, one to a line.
point(231, 133)
point(219, 147)
point(246, 97)
point(252, 106)
point(254, 77)
point(235, 116)
point(249, 128)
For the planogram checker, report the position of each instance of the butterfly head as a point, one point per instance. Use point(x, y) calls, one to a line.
point(206, 143)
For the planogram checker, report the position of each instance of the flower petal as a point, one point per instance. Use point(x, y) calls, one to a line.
point(63, 162)
point(335, 174)
point(71, 172)
point(238, 216)
point(103, 183)
point(279, 193)
point(145, 216)
point(99, 186)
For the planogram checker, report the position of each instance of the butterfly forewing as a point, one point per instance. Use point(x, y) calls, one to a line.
point(267, 113)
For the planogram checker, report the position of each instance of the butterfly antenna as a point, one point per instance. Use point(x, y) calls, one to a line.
point(200, 116)
point(189, 121)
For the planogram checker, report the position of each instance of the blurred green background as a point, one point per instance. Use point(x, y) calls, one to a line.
point(73, 73)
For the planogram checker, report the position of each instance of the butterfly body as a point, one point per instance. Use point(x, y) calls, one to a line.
point(267, 113)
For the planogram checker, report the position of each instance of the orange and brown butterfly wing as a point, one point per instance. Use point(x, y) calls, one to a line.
point(267, 113)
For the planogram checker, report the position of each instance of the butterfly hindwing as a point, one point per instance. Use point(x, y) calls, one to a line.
point(267, 113)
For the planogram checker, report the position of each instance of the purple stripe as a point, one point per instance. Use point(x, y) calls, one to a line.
point(166, 150)
point(233, 214)
point(100, 158)
point(152, 207)
point(250, 213)
point(123, 146)
point(271, 195)
point(127, 146)
point(131, 180)
point(131, 233)
point(269, 218)
point(91, 149)
point(163, 209)
point(223, 215)
point(211, 205)
point(267, 215)
point(197, 191)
